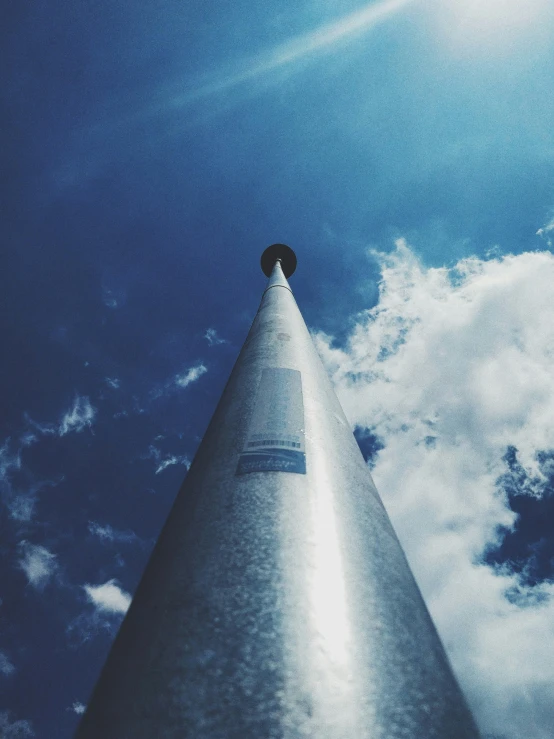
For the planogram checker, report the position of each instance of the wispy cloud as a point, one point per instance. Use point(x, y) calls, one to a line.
point(112, 382)
point(9, 461)
point(547, 232)
point(20, 492)
point(107, 533)
point(179, 382)
point(191, 375)
point(78, 417)
point(22, 507)
point(108, 598)
point(110, 299)
point(22, 503)
point(28, 438)
point(165, 460)
point(41, 429)
point(450, 369)
point(212, 338)
point(92, 623)
point(10, 464)
point(78, 708)
point(19, 497)
point(171, 460)
point(6, 667)
point(14, 729)
point(38, 564)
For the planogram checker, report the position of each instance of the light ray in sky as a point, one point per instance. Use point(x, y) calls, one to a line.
point(247, 76)
point(286, 54)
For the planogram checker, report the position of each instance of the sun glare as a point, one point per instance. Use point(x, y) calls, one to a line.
point(492, 26)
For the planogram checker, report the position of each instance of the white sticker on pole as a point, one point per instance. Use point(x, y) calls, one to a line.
point(275, 442)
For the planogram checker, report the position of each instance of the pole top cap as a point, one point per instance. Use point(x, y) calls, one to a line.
point(275, 252)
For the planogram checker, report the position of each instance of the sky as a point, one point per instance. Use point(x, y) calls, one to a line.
point(151, 151)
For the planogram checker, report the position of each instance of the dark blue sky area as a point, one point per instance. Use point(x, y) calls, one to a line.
point(150, 153)
point(529, 548)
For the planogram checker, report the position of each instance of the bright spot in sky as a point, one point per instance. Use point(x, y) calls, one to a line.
point(492, 15)
point(494, 26)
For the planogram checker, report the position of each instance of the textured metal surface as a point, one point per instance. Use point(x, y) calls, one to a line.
point(277, 605)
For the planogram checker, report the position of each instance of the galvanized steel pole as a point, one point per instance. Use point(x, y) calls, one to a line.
point(278, 603)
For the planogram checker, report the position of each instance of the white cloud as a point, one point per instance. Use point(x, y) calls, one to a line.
point(108, 534)
point(78, 417)
point(19, 495)
point(212, 338)
point(167, 460)
point(191, 375)
point(43, 429)
point(16, 729)
point(28, 438)
point(109, 597)
point(110, 299)
point(37, 563)
point(19, 505)
point(449, 369)
point(8, 462)
point(22, 507)
point(171, 460)
point(78, 708)
point(21, 501)
point(6, 667)
point(546, 232)
point(112, 382)
point(178, 382)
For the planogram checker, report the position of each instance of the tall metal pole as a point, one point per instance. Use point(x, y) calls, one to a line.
point(278, 603)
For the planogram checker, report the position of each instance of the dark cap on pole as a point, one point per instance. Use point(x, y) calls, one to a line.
point(275, 252)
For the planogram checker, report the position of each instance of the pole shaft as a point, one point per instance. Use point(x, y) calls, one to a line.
point(278, 604)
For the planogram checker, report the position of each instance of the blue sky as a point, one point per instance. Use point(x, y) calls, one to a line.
point(404, 149)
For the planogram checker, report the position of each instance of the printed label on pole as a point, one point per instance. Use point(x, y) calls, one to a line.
point(275, 442)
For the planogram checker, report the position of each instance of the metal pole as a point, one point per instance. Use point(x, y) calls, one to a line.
point(278, 603)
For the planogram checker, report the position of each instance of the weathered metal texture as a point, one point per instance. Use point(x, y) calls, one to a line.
point(278, 605)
